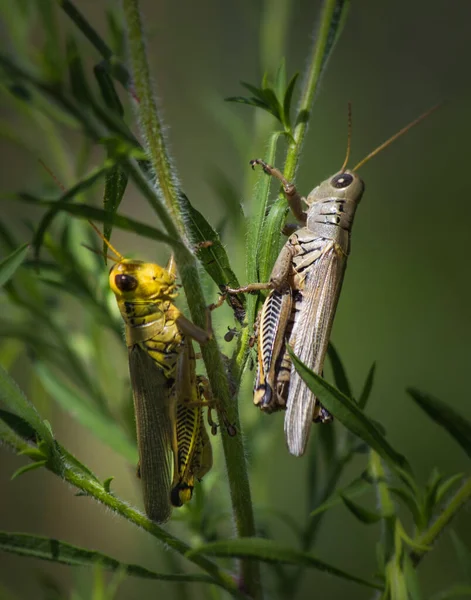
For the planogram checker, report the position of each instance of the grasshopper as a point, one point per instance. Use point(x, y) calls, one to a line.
point(155, 336)
point(305, 286)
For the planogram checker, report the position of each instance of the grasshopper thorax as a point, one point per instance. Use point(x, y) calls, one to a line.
point(135, 280)
point(332, 205)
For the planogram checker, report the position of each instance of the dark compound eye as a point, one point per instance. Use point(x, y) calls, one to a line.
point(342, 180)
point(125, 283)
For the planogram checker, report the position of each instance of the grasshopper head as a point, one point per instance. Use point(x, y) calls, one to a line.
point(137, 280)
point(344, 185)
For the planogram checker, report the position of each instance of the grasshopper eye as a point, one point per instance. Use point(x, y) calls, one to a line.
point(342, 180)
point(125, 283)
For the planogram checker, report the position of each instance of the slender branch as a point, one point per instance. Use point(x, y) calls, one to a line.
point(427, 538)
point(93, 488)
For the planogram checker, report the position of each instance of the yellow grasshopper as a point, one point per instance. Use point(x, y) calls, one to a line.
point(155, 332)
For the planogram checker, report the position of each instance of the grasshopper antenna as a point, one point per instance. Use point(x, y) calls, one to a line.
point(52, 174)
point(108, 243)
point(349, 138)
point(112, 258)
point(395, 136)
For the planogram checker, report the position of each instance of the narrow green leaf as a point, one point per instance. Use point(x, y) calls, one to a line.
point(249, 101)
point(116, 182)
point(274, 104)
point(287, 101)
point(408, 479)
point(366, 392)
point(213, 258)
point(447, 485)
point(445, 416)
point(257, 92)
point(10, 264)
point(255, 237)
point(273, 552)
point(78, 81)
point(29, 467)
point(107, 484)
point(87, 414)
point(12, 439)
point(14, 399)
point(107, 89)
point(431, 492)
point(362, 514)
point(396, 580)
point(280, 79)
point(114, 20)
point(60, 552)
point(85, 211)
point(411, 579)
point(74, 463)
point(340, 374)
point(33, 453)
point(18, 425)
point(348, 413)
point(271, 239)
point(84, 26)
point(51, 54)
point(411, 503)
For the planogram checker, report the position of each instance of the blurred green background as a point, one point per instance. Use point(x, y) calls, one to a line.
point(406, 296)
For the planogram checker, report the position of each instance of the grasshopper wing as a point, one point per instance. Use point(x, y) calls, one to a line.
point(310, 337)
point(154, 407)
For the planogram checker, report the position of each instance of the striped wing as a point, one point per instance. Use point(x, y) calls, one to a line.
point(154, 408)
point(310, 337)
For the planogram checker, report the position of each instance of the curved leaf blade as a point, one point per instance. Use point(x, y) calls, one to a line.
point(116, 181)
point(10, 264)
point(85, 211)
point(60, 552)
point(272, 552)
point(214, 257)
point(17, 403)
point(364, 515)
point(348, 413)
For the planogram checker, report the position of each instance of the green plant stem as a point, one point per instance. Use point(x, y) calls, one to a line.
point(379, 476)
point(187, 266)
point(85, 27)
point(150, 122)
point(427, 538)
point(320, 53)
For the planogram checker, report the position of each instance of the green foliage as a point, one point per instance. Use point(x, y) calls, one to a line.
point(57, 88)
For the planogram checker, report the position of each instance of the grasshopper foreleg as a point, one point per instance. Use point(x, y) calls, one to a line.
point(295, 200)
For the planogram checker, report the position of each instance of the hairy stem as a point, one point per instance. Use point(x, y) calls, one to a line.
point(168, 187)
point(150, 123)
